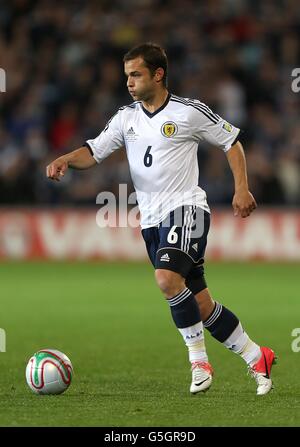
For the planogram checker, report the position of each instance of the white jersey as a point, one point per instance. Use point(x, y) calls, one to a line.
point(162, 152)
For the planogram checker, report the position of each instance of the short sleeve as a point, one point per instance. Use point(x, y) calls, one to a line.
point(109, 140)
point(211, 128)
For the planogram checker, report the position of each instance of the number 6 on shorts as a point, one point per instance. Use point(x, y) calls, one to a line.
point(172, 235)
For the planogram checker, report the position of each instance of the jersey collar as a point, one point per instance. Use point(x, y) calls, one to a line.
point(151, 115)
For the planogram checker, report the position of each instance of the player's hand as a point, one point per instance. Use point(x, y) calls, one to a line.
point(243, 203)
point(57, 169)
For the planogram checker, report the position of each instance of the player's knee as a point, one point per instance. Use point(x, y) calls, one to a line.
point(170, 283)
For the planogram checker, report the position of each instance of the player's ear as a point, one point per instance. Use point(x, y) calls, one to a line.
point(159, 74)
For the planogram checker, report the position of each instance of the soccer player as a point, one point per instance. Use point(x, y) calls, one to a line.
point(161, 133)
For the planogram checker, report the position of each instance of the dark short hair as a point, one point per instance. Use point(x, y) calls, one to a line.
point(153, 55)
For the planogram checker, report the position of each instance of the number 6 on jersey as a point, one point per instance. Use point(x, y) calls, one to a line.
point(148, 158)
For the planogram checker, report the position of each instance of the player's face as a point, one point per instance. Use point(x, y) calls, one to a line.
point(140, 82)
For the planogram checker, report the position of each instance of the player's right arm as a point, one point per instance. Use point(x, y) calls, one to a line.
point(79, 159)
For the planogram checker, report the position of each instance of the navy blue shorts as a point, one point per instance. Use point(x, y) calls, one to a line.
point(178, 244)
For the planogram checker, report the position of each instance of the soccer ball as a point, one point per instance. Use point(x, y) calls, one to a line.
point(49, 372)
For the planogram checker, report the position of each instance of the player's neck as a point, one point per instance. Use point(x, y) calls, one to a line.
point(156, 101)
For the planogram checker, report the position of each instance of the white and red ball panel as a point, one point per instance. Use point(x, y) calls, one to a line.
point(49, 371)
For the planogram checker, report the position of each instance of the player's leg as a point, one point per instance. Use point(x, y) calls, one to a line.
point(196, 282)
point(185, 312)
point(225, 327)
point(172, 283)
point(173, 263)
point(187, 318)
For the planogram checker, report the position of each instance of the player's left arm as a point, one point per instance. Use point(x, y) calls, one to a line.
point(243, 201)
point(206, 125)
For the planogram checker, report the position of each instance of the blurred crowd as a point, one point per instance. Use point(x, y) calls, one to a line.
point(63, 62)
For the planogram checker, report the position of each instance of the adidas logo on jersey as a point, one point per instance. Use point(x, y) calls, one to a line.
point(195, 246)
point(131, 135)
point(165, 257)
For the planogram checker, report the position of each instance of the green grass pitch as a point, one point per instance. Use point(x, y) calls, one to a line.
point(130, 363)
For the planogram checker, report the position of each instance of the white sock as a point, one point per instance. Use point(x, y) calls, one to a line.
point(240, 343)
point(194, 339)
